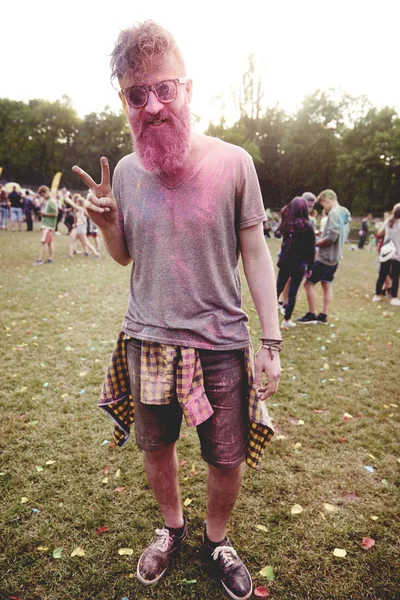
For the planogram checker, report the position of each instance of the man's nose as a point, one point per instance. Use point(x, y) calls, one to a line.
point(153, 105)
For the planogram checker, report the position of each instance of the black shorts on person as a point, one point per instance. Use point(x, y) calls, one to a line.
point(321, 272)
point(224, 435)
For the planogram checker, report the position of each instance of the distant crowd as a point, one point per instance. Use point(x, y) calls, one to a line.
point(312, 244)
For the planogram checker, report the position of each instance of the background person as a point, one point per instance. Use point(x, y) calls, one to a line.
point(363, 232)
point(4, 208)
point(49, 219)
point(390, 268)
point(16, 209)
point(330, 247)
point(297, 254)
point(28, 210)
point(79, 230)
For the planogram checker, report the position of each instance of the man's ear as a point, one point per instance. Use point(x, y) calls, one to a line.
point(124, 102)
point(189, 89)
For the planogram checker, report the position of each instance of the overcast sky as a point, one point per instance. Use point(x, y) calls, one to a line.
point(51, 48)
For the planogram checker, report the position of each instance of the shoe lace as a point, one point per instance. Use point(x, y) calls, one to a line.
point(162, 541)
point(226, 553)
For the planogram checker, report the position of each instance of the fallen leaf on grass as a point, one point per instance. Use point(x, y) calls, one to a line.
point(50, 462)
point(104, 480)
point(342, 440)
point(78, 552)
point(267, 572)
point(15, 598)
point(369, 469)
point(106, 470)
point(347, 417)
point(339, 552)
point(42, 548)
point(385, 482)
point(39, 468)
point(261, 528)
point(117, 474)
point(57, 553)
point(102, 529)
point(120, 488)
point(329, 507)
point(64, 395)
point(297, 445)
point(319, 411)
point(374, 517)
point(125, 551)
point(296, 509)
point(261, 592)
point(24, 500)
point(187, 502)
point(104, 443)
point(183, 463)
point(188, 581)
point(367, 543)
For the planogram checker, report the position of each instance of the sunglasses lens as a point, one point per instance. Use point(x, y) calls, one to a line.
point(136, 95)
point(165, 91)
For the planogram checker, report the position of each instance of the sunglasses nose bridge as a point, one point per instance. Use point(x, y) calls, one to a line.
point(153, 105)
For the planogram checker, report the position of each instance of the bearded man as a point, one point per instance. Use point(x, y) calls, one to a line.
point(182, 209)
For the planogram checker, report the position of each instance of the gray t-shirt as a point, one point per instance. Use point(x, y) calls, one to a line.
point(185, 285)
point(336, 232)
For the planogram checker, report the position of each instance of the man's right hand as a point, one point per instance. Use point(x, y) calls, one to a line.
point(100, 202)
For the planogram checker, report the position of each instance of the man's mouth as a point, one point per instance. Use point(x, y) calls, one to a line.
point(156, 122)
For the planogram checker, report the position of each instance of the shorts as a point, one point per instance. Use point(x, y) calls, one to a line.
point(321, 272)
point(80, 229)
point(92, 234)
point(16, 214)
point(46, 235)
point(224, 436)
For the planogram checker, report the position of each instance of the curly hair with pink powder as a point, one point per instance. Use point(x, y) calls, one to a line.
point(140, 47)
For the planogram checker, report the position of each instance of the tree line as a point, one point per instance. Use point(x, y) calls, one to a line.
point(332, 141)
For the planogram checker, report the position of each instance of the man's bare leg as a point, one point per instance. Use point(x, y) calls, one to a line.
point(328, 295)
point(311, 297)
point(223, 490)
point(162, 469)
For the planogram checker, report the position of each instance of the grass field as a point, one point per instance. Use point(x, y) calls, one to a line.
point(58, 326)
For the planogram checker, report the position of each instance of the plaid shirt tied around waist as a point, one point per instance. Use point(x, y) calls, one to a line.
point(168, 370)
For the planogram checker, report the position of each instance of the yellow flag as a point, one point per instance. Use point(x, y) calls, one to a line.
point(1, 170)
point(55, 183)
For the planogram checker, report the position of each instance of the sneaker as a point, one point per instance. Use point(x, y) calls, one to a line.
point(49, 260)
point(323, 319)
point(233, 574)
point(287, 324)
point(155, 559)
point(395, 302)
point(57, 233)
point(37, 263)
point(376, 298)
point(281, 308)
point(308, 318)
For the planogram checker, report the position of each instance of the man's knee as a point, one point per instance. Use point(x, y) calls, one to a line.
point(160, 455)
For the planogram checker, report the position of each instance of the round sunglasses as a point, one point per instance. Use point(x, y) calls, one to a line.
point(165, 91)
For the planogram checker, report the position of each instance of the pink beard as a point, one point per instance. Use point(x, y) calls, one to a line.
point(163, 150)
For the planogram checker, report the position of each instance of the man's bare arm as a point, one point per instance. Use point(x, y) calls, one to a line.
point(260, 277)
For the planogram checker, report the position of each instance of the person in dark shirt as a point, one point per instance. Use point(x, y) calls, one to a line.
point(363, 233)
point(297, 253)
point(28, 209)
point(16, 210)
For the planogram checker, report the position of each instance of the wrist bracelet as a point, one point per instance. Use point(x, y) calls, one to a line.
point(271, 349)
